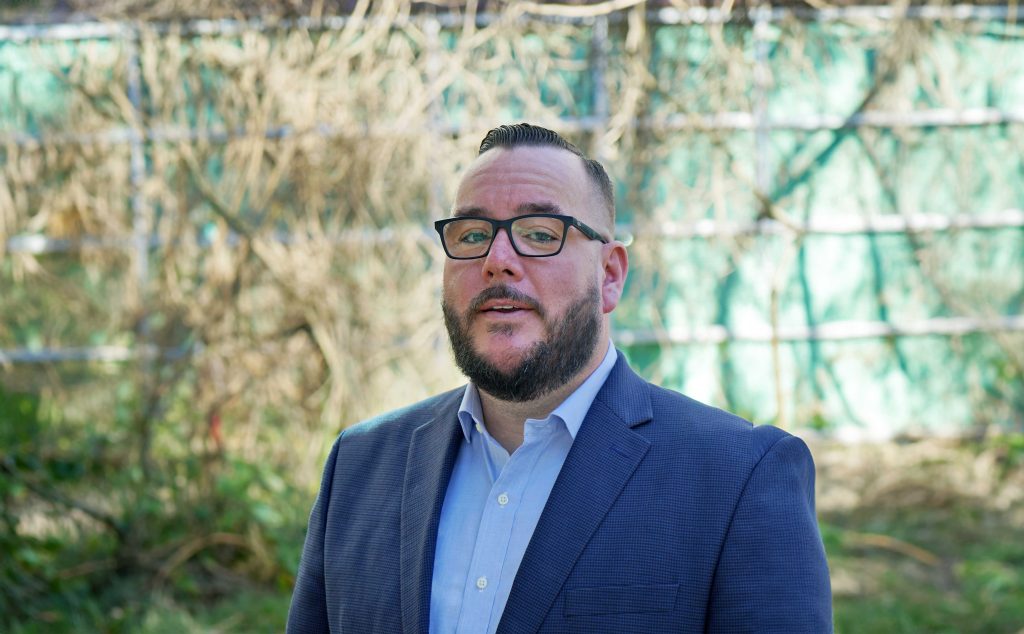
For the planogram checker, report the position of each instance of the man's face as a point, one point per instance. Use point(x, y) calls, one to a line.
point(522, 326)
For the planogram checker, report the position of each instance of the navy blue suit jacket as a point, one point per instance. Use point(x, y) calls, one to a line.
point(668, 516)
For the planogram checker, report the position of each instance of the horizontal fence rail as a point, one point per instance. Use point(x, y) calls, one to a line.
point(854, 225)
point(113, 354)
point(828, 331)
point(697, 122)
point(38, 244)
point(703, 335)
point(584, 14)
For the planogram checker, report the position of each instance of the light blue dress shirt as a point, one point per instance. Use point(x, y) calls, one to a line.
point(492, 506)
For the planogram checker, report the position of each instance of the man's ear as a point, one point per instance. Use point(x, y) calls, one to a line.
point(616, 266)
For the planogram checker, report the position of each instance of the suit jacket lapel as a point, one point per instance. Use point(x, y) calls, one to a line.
point(432, 452)
point(603, 457)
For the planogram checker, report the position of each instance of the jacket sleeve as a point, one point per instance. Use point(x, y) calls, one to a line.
point(308, 611)
point(772, 575)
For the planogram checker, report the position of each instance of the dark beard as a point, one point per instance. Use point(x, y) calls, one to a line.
point(551, 363)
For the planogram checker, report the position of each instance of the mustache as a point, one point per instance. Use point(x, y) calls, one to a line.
point(504, 291)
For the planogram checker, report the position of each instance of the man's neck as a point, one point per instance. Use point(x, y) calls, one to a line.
point(506, 420)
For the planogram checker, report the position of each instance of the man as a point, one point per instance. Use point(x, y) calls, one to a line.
point(558, 491)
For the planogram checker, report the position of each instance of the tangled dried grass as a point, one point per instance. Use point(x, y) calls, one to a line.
point(282, 180)
point(267, 191)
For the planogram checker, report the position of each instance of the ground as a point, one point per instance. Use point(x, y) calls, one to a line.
point(924, 536)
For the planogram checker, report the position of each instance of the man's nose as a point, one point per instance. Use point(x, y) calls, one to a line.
point(502, 259)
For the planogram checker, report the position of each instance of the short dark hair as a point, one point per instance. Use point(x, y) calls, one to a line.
point(525, 134)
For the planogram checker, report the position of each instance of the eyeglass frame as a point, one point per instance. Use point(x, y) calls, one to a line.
point(498, 225)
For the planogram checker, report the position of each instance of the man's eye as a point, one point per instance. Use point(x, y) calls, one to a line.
point(540, 236)
point(474, 237)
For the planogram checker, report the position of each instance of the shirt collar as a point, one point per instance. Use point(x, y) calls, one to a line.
point(470, 411)
point(571, 411)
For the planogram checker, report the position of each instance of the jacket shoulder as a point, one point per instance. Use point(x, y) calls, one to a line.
point(709, 427)
point(378, 447)
point(405, 420)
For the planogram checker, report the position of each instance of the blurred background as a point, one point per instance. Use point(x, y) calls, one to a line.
point(216, 253)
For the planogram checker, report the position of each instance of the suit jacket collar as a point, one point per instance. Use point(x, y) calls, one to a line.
point(432, 452)
point(603, 457)
point(626, 395)
point(579, 500)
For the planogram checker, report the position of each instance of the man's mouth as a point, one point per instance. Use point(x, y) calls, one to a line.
point(501, 307)
point(503, 300)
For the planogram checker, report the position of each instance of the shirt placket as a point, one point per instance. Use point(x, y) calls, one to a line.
point(495, 532)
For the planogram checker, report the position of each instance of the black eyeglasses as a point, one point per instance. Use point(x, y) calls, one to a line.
point(532, 235)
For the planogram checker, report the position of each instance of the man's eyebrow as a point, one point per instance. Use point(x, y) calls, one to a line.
point(539, 208)
point(524, 208)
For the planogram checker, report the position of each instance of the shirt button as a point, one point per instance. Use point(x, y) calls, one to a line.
point(481, 582)
point(503, 499)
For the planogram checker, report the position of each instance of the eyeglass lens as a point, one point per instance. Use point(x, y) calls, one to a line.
point(531, 235)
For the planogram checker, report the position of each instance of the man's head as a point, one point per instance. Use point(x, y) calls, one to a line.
point(522, 327)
